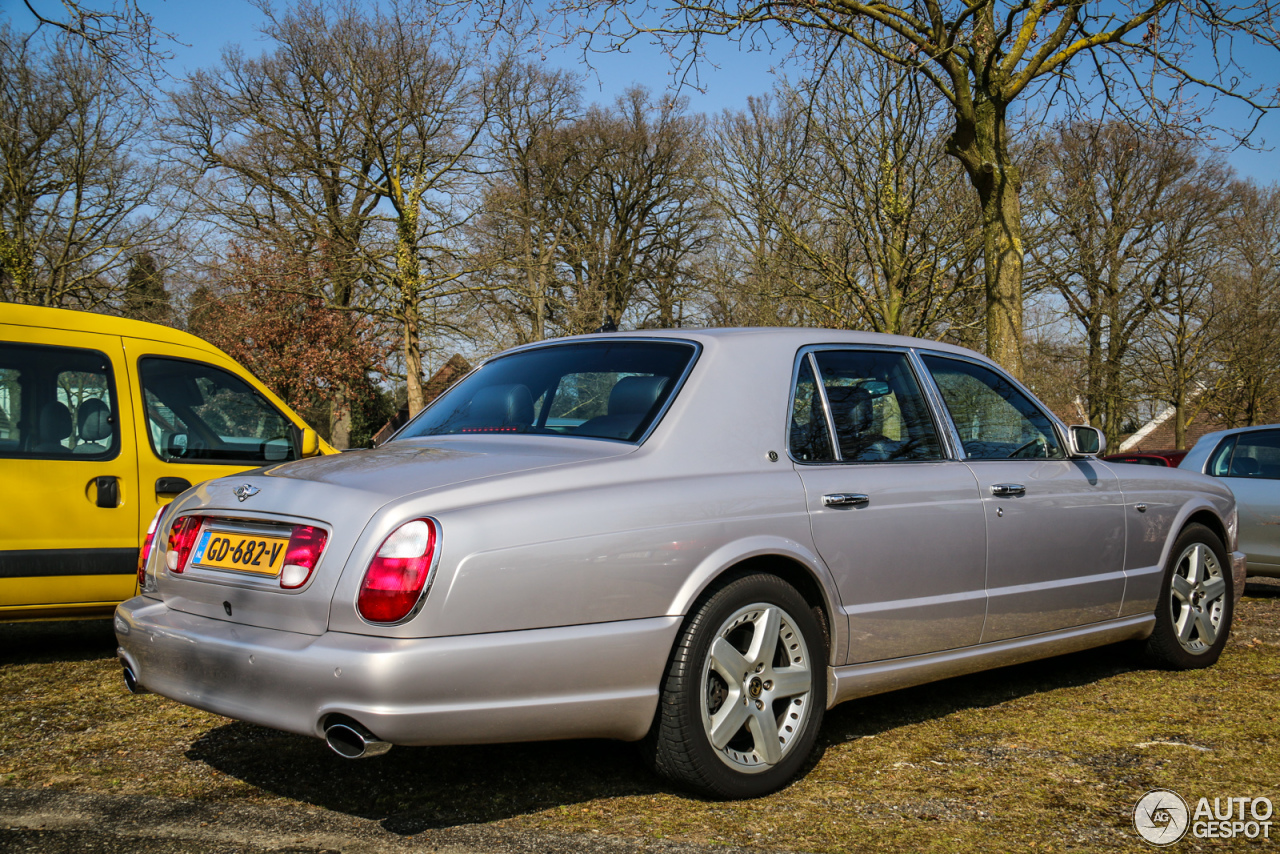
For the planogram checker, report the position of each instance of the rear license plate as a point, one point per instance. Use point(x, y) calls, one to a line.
point(241, 552)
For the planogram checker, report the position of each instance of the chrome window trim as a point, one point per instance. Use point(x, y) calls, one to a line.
point(1059, 428)
point(808, 352)
point(569, 342)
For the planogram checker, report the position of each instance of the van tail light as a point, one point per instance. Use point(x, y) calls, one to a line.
point(145, 551)
point(398, 573)
point(301, 555)
point(182, 537)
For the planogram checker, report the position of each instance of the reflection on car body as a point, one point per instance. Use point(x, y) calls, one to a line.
point(698, 540)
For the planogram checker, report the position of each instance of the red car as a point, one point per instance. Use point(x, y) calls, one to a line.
point(1148, 458)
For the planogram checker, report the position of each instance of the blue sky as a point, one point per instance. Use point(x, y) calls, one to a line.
point(204, 28)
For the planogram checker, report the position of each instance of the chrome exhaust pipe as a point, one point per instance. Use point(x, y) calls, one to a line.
point(352, 741)
point(131, 681)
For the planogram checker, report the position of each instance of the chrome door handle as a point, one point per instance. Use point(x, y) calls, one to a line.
point(845, 499)
point(1008, 489)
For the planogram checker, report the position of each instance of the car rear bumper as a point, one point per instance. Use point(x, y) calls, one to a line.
point(590, 681)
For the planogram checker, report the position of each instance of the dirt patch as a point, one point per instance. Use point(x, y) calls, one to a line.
point(1048, 756)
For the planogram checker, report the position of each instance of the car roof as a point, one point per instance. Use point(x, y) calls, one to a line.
point(104, 324)
point(785, 337)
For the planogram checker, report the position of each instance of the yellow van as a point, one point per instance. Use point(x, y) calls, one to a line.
point(103, 421)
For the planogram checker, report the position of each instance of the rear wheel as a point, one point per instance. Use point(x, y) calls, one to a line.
point(1193, 614)
point(744, 693)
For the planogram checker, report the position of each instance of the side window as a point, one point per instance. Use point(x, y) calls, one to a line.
point(810, 438)
point(876, 406)
point(202, 414)
point(1254, 455)
point(56, 402)
point(995, 420)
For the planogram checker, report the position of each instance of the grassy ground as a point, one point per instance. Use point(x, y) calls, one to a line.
point(1049, 756)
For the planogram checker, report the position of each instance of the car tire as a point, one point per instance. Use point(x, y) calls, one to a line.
point(744, 693)
point(1194, 611)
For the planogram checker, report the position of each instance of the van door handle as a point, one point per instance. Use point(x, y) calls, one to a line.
point(1008, 489)
point(845, 499)
point(172, 485)
point(108, 491)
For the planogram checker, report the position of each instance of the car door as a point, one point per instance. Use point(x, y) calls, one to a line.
point(1249, 463)
point(69, 530)
point(198, 420)
point(899, 524)
point(1055, 525)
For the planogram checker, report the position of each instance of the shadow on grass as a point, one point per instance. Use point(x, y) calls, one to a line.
point(415, 789)
point(412, 789)
point(1262, 588)
point(57, 640)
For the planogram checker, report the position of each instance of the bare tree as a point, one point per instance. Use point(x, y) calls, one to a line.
point(1121, 214)
point(860, 199)
point(77, 201)
point(984, 57)
point(121, 36)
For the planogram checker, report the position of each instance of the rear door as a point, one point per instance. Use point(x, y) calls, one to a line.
point(69, 530)
point(1055, 526)
point(899, 523)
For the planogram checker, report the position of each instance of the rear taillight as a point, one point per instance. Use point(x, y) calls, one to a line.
point(301, 555)
point(182, 537)
point(145, 552)
point(398, 573)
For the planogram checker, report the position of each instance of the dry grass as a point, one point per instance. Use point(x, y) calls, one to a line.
point(1046, 756)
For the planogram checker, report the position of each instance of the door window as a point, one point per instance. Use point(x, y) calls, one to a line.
point(56, 402)
point(1255, 455)
point(201, 414)
point(874, 403)
point(994, 419)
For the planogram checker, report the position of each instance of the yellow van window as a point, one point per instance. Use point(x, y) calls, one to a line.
point(197, 413)
point(56, 402)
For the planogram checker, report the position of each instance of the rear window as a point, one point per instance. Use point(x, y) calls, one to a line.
point(57, 402)
point(596, 389)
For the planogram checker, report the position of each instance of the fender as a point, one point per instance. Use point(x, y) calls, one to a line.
point(1143, 583)
point(733, 553)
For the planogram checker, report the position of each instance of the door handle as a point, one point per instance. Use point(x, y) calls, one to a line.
point(108, 491)
point(1008, 489)
point(845, 499)
point(172, 485)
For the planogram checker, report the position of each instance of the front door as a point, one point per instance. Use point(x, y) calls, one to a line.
point(1055, 526)
point(899, 525)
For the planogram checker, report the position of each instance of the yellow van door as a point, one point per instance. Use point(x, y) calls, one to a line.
point(68, 463)
point(202, 418)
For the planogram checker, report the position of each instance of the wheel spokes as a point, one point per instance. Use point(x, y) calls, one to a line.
point(1181, 587)
point(1214, 589)
point(791, 681)
point(764, 730)
point(726, 723)
point(729, 663)
point(765, 639)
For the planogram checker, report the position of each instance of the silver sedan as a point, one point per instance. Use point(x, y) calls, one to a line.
point(1247, 460)
point(699, 541)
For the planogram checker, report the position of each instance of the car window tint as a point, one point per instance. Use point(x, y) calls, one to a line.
point(201, 414)
point(810, 438)
point(1256, 455)
point(56, 402)
point(877, 407)
point(995, 420)
point(597, 389)
point(1220, 461)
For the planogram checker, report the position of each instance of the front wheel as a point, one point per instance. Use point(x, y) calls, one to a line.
point(744, 693)
point(1193, 613)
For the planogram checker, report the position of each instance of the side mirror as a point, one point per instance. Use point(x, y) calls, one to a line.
point(176, 446)
point(310, 444)
point(1087, 441)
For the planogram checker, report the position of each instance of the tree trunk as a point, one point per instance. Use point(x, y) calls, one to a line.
point(980, 144)
point(340, 420)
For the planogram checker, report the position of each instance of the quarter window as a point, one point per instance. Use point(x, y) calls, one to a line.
point(995, 420)
point(202, 414)
point(873, 401)
point(56, 402)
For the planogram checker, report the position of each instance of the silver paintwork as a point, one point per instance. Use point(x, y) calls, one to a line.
point(1197, 595)
point(1257, 498)
point(566, 566)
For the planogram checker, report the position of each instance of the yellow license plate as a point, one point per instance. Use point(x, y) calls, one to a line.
point(241, 552)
